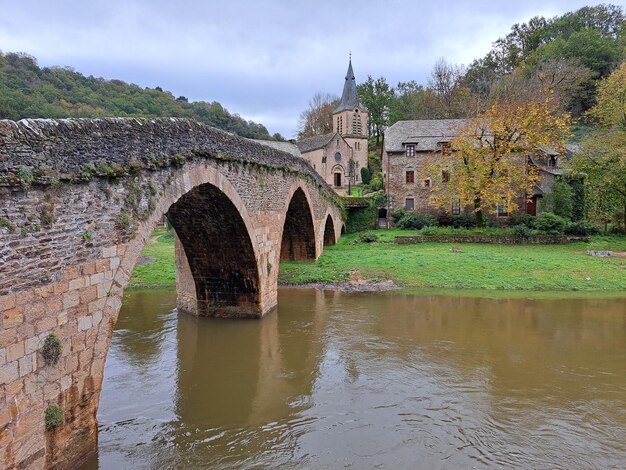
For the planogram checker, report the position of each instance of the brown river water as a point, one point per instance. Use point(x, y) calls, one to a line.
point(377, 380)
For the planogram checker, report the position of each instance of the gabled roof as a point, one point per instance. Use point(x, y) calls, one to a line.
point(349, 97)
point(288, 147)
point(425, 134)
point(315, 142)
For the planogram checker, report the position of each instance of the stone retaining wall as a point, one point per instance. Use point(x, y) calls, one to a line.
point(498, 239)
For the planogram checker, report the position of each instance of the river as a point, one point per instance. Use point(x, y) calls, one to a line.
point(383, 380)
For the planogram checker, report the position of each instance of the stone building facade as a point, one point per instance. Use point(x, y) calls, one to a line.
point(339, 156)
point(412, 145)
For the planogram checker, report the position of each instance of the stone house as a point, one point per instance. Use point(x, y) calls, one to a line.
point(411, 145)
point(339, 155)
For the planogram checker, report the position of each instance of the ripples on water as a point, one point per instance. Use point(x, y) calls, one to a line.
point(334, 380)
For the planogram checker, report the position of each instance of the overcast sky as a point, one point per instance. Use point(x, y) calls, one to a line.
point(262, 59)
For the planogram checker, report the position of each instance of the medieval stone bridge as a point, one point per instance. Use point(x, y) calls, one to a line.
point(78, 201)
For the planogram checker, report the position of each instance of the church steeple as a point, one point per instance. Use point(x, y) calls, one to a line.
point(349, 97)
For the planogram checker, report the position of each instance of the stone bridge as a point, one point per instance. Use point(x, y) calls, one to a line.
point(78, 201)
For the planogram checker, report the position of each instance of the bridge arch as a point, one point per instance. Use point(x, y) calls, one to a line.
point(330, 237)
point(298, 238)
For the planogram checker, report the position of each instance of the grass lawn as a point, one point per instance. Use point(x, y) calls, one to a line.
point(477, 266)
point(160, 273)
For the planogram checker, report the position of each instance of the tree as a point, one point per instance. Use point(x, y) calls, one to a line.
point(377, 97)
point(446, 81)
point(317, 119)
point(560, 199)
point(602, 160)
point(487, 166)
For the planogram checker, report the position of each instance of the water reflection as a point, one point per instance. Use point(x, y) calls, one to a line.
point(366, 380)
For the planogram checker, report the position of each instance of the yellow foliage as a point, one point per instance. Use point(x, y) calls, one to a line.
point(489, 162)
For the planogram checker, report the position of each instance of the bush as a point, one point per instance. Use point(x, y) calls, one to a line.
point(414, 220)
point(464, 220)
point(522, 231)
point(397, 214)
point(51, 350)
point(445, 219)
point(428, 230)
point(368, 237)
point(53, 417)
point(523, 219)
point(551, 223)
point(366, 175)
point(581, 228)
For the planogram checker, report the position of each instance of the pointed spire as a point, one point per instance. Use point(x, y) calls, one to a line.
point(349, 97)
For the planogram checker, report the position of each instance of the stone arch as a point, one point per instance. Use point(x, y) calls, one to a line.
point(329, 232)
point(298, 238)
point(219, 253)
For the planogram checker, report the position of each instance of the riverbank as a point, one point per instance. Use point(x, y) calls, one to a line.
point(383, 264)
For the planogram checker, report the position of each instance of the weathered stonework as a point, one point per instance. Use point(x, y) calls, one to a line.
point(78, 200)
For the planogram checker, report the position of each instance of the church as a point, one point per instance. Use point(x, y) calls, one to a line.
point(339, 156)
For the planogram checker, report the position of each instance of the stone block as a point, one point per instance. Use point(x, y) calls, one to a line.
point(9, 373)
point(85, 323)
point(15, 351)
point(46, 325)
point(25, 365)
point(7, 302)
point(71, 299)
point(109, 251)
point(88, 294)
point(13, 317)
point(78, 283)
point(102, 265)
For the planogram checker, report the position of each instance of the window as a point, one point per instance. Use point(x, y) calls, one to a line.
point(427, 183)
point(501, 209)
point(410, 177)
point(445, 176)
point(340, 124)
point(356, 124)
point(552, 162)
point(456, 207)
point(337, 156)
point(445, 147)
point(324, 159)
point(410, 150)
point(409, 204)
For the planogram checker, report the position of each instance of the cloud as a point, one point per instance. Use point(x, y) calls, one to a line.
point(263, 60)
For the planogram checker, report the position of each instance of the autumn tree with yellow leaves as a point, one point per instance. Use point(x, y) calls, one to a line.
point(487, 164)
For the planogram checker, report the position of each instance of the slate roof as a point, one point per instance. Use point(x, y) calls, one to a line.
point(349, 97)
point(288, 147)
point(425, 134)
point(315, 142)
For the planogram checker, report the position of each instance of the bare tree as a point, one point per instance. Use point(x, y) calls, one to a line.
point(317, 119)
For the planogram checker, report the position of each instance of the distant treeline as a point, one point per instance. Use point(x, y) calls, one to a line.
point(30, 91)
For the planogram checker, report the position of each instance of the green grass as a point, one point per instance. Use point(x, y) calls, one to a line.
point(162, 272)
point(433, 265)
point(477, 266)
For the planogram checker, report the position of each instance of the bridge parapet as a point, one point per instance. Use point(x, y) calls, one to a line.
point(78, 149)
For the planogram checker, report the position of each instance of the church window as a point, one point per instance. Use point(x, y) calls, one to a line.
point(324, 159)
point(410, 150)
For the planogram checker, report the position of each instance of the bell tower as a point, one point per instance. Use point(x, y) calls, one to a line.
point(350, 120)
